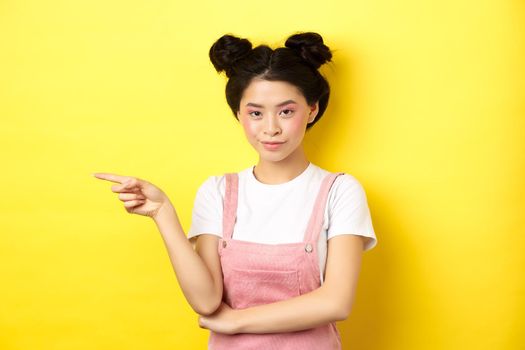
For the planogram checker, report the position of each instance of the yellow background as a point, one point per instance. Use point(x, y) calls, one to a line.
point(427, 111)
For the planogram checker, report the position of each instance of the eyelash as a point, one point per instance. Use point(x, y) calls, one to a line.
point(286, 115)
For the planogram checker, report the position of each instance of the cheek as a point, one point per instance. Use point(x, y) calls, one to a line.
point(297, 125)
point(250, 128)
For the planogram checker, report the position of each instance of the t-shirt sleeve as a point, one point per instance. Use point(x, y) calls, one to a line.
point(206, 216)
point(348, 211)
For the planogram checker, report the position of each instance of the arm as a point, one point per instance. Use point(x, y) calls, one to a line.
point(330, 302)
point(198, 270)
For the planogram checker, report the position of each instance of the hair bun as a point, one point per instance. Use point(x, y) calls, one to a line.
point(227, 50)
point(310, 47)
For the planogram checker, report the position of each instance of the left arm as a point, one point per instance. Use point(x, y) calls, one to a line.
point(328, 303)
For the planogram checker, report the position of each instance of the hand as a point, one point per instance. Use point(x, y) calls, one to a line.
point(224, 320)
point(139, 196)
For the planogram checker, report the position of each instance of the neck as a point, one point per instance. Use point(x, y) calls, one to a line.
point(273, 173)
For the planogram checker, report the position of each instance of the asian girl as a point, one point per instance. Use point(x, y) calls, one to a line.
point(273, 255)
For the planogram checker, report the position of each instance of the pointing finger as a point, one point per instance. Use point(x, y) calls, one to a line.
point(111, 177)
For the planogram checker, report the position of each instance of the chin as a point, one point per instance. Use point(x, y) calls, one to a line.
point(272, 158)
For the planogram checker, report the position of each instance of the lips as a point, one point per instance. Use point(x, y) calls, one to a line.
point(272, 145)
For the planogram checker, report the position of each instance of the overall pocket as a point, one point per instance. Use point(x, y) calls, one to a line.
point(245, 288)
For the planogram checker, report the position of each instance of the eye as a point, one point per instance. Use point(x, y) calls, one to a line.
point(289, 112)
point(255, 116)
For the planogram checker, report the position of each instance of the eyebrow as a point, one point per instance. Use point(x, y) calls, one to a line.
point(279, 105)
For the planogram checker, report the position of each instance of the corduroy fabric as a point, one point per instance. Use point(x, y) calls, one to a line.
point(258, 273)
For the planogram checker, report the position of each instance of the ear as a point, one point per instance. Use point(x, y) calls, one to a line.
point(314, 109)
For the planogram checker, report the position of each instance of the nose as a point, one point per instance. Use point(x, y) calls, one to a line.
point(272, 126)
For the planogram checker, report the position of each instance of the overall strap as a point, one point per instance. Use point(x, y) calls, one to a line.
point(316, 218)
point(229, 205)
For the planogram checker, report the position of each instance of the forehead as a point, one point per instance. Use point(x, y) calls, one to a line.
point(267, 92)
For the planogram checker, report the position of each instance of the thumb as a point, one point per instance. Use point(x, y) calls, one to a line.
point(203, 322)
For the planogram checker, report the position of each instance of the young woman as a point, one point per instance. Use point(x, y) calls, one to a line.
point(273, 254)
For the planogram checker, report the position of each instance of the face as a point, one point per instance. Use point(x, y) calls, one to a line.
point(274, 115)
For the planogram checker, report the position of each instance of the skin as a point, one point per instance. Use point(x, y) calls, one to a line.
point(196, 263)
point(276, 123)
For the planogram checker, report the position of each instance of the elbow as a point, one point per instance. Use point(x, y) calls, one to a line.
point(339, 304)
point(206, 304)
point(341, 310)
point(341, 313)
point(207, 308)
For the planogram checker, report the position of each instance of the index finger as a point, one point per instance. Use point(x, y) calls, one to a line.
point(111, 177)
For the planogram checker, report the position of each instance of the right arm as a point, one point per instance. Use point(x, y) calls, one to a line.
point(198, 270)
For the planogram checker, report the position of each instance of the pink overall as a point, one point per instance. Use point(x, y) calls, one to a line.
point(257, 273)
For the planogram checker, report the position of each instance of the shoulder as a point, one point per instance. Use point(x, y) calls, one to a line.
point(349, 184)
point(347, 191)
point(212, 186)
point(348, 211)
point(215, 185)
point(344, 185)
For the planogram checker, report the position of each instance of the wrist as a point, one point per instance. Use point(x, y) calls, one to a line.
point(238, 322)
point(164, 212)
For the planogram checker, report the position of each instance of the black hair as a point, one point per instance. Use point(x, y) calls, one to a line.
point(297, 63)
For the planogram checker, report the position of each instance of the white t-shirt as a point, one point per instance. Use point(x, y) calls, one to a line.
point(279, 213)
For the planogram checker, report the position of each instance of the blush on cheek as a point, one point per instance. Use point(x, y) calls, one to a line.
point(296, 124)
point(249, 127)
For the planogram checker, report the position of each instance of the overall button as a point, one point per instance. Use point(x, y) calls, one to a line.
point(308, 248)
point(224, 244)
